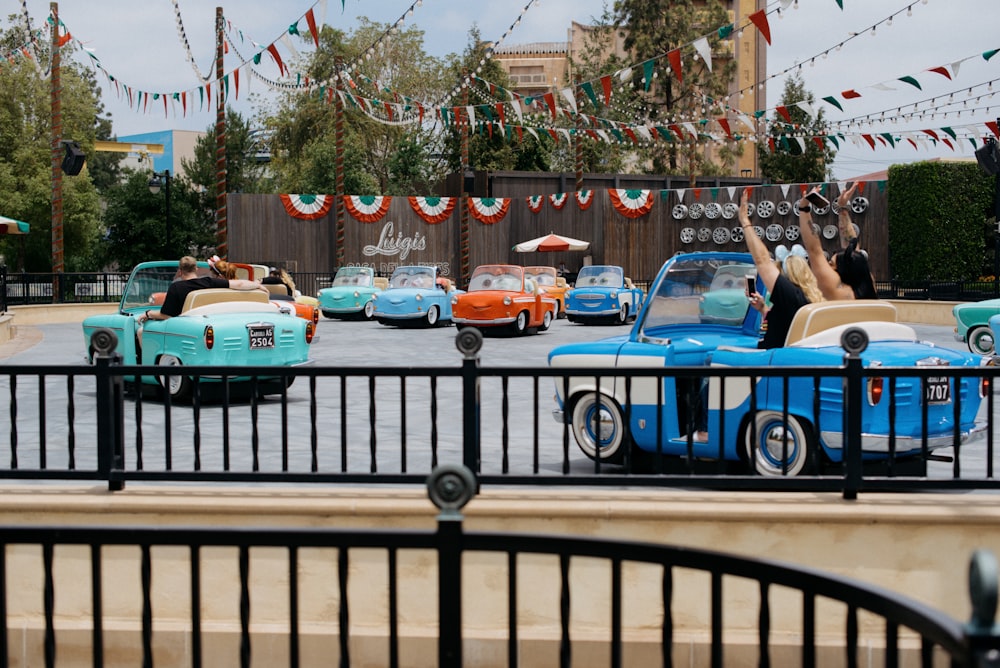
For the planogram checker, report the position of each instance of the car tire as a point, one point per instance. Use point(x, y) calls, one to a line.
point(520, 324)
point(623, 314)
point(178, 386)
point(546, 321)
point(611, 441)
point(369, 310)
point(433, 314)
point(768, 429)
point(981, 340)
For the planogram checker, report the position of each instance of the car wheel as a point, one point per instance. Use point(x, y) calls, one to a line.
point(432, 315)
point(600, 433)
point(328, 314)
point(981, 340)
point(546, 321)
point(178, 386)
point(623, 314)
point(768, 430)
point(369, 310)
point(520, 324)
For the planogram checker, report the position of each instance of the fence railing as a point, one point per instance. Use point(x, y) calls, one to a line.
point(296, 583)
point(394, 425)
point(20, 288)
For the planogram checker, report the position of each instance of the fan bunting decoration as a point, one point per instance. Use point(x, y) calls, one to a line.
point(535, 203)
point(307, 207)
point(631, 203)
point(432, 210)
point(368, 208)
point(584, 198)
point(489, 210)
point(558, 200)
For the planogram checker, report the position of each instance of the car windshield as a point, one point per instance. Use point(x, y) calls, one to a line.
point(412, 277)
point(145, 283)
point(497, 278)
point(352, 276)
point(603, 276)
point(544, 275)
point(695, 291)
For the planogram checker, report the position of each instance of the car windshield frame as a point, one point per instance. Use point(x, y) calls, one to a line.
point(353, 277)
point(413, 276)
point(600, 276)
point(679, 295)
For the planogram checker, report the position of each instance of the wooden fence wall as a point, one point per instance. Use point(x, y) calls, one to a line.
point(260, 229)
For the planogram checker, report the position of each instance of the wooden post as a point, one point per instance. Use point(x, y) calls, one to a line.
point(578, 138)
point(338, 162)
point(465, 127)
point(221, 213)
point(56, 152)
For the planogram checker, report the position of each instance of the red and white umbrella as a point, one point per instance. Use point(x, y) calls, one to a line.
point(11, 226)
point(552, 242)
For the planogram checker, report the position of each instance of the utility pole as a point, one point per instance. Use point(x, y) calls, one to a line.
point(221, 205)
point(55, 83)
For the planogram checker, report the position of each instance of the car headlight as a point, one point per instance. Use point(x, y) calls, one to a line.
point(614, 294)
point(356, 294)
point(454, 301)
point(419, 298)
point(507, 301)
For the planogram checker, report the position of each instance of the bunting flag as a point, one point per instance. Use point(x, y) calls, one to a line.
point(558, 200)
point(307, 207)
point(432, 210)
point(584, 198)
point(631, 203)
point(759, 19)
point(367, 208)
point(489, 210)
point(535, 203)
point(674, 56)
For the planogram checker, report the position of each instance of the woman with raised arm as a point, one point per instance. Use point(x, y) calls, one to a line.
point(790, 288)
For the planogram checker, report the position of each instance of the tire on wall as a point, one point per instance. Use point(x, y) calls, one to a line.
point(609, 438)
point(769, 429)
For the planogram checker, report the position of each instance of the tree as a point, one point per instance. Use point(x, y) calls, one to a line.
point(25, 158)
point(136, 222)
point(654, 28)
point(791, 155)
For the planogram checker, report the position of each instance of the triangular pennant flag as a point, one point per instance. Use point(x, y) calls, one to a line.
point(705, 51)
point(832, 100)
point(850, 94)
point(759, 19)
point(802, 144)
point(311, 21)
point(870, 140)
point(606, 87)
point(273, 50)
point(887, 136)
point(989, 54)
point(943, 71)
point(588, 90)
point(932, 134)
point(784, 189)
point(819, 142)
point(992, 125)
point(570, 96)
point(783, 111)
point(674, 57)
point(807, 108)
point(680, 194)
point(724, 122)
point(550, 100)
point(950, 133)
point(647, 75)
point(833, 140)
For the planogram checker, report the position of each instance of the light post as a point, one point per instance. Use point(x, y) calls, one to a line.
point(157, 181)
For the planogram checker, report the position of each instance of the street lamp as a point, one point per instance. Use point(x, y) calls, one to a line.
point(157, 181)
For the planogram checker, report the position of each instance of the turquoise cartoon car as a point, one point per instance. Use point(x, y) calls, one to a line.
point(350, 296)
point(216, 327)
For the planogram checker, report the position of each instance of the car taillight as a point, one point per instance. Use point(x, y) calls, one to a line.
point(875, 386)
point(209, 337)
point(315, 317)
point(310, 330)
point(986, 382)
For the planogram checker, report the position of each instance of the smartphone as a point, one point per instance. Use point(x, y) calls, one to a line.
point(817, 200)
point(751, 285)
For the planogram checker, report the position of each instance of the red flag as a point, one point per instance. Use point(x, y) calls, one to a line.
point(520, 132)
point(631, 135)
point(759, 19)
point(932, 134)
point(819, 142)
point(184, 101)
point(771, 144)
point(273, 50)
point(677, 131)
point(697, 193)
point(388, 110)
point(554, 134)
point(941, 70)
point(236, 81)
point(850, 94)
point(992, 125)
point(783, 110)
point(551, 101)
point(871, 142)
point(675, 63)
point(500, 106)
point(606, 85)
point(311, 20)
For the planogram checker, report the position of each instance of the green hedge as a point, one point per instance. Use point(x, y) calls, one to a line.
point(940, 217)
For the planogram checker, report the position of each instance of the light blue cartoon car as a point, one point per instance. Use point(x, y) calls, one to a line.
point(416, 296)
point(603, 294)
point(755, 419)
point(350, 295)
point(217, 327)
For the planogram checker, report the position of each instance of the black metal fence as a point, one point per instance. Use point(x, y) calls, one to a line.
point(732, 587)
point(395, 425)
point(20, 288)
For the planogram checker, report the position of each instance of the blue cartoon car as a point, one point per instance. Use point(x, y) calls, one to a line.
point(747, 426)
point(416, 296)
point(350, 295)
point(216, 327)
point(603, 294)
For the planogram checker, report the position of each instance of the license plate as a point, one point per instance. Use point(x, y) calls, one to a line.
point(261, 337)
point(937, 390)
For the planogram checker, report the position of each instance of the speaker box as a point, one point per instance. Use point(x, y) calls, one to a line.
point(988, 157)
point(73, 162)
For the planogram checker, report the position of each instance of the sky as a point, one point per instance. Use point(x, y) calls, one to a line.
point(138, 42)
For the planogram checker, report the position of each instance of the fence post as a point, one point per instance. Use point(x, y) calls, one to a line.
point(981, 632)
point(110, 405)
point(854, 340)
point(469, 341)
point(450, 487)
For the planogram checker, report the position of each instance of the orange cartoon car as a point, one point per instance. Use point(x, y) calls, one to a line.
point(503, 295)
point(552, 284)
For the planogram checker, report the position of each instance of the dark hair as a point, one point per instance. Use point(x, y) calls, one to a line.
point(854, 270)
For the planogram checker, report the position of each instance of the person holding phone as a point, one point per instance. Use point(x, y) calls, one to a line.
point(847, 274)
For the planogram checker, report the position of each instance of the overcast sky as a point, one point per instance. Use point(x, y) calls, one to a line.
point(137, 41)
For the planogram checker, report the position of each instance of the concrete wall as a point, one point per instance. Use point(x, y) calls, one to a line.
point(915, 544)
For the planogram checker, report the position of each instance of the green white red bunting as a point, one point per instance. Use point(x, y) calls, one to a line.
point(558, 200)
point(489, 210)
point(584, 198)
point(432, 210)
point(535, 203)
point(631, 203)
point(307, 207)
point(368, 208)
